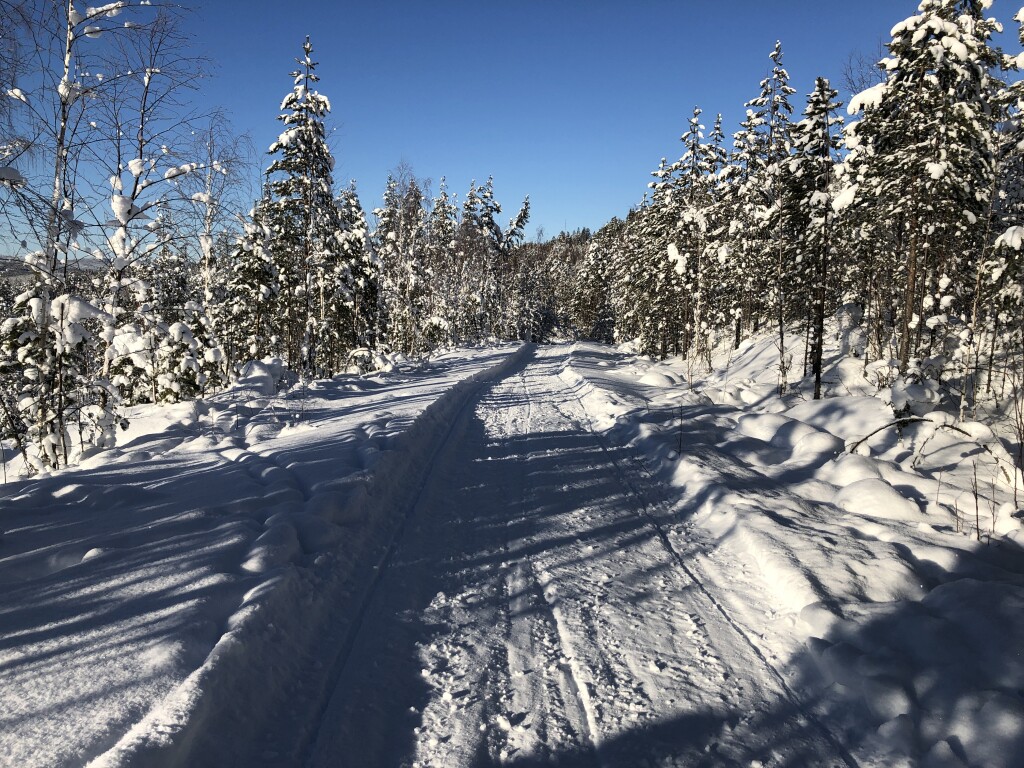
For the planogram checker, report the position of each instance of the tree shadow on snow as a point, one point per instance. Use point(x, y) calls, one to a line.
point(420, 631)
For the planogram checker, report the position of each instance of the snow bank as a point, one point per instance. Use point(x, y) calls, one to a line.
point(297, 618)
point(165, 590)
point(882, 592)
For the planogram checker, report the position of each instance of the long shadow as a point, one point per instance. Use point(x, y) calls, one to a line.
point(127, 571)
point(938, 680)
point(658, 743)
point(457, 544)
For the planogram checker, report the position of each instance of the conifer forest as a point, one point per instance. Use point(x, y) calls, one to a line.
point(296, 473)
point(152, 277)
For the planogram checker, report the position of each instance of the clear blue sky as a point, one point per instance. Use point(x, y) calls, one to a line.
point(570, 101)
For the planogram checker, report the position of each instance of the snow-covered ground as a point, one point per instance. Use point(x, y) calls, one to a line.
point(172, 584)
point(888, 593)
point(527, 556)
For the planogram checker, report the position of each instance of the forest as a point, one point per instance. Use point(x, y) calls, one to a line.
point(300, 474)
point(150, 251)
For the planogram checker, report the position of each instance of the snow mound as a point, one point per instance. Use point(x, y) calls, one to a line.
point(262, 376)
point(890, 596)
point(655, 377)
point(876, 498)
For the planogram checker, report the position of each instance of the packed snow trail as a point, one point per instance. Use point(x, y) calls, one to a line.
point(532, 612)
point(522, 557)
point(167, 599)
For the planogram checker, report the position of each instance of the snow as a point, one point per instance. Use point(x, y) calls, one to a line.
point(936, 170)
point(957, 48)
point(675, 259)
point(526, 554)
point(11, 176)
point(867, 99)
point(845, 198)
point(1011, 238)
point(69, 91)
point(143, 580)
point(876, 498)
point(110, 9)
point(122, 207)
point(864, 584)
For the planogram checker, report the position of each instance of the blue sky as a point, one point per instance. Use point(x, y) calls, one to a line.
point(570, 101)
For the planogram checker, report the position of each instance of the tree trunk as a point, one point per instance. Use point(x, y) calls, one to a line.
point(909, 302)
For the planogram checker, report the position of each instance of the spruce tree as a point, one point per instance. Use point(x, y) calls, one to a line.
point(517, 281)
point(443, 266)
point(361, 267)
point(923, 160)
point(401, 245)
point(474, 254)
point(807, 211)
point(772, 112)
point(590, 304)
point(303, 219)
point(252, 292)
point(692, 181)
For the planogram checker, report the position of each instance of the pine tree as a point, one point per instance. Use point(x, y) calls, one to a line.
point(717, 293)
point(590, 303)
point(517, 281)
point(807, 211)
point(443, 267)
point(252, 292)
point(303, 218)
point(144, 297)
point(360, 322)
point(474, 244)
point(998, 310)
point(47, 344)
point(401, 245)
point(692, 180)
point(490, 256)
point(647, 289)
point(923, 161)
point(770, 151)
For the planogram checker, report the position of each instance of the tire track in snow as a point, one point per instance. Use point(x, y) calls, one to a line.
point(538, 643)
point(611, 629)
point(644, 508)
point(547, 715)
point(314, 752)
point(574, 678)
point(541, 619)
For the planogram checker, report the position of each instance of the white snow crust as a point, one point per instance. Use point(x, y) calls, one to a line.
point(534, 554)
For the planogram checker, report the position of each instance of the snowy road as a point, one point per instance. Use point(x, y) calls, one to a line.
point(512, 556)
point(533, 612)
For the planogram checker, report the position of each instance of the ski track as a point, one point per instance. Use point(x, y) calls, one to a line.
point(533, 611)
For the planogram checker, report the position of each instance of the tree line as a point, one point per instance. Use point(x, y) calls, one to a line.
point(155, 271)
point(140, 270)
point(906, 221)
